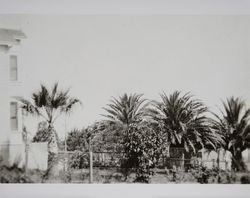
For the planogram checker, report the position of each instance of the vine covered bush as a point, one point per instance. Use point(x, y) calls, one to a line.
point(78, 160)
point(142, 145)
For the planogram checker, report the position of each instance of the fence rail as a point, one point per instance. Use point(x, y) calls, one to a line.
point(103, 165)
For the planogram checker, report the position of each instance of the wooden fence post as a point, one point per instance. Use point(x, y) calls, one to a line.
point(90, 166)
point(26, 149)
point(218, 158)
point(183, 161)
point(26, 156)
point(213, 161)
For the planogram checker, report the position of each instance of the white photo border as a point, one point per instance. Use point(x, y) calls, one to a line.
point(123, 7)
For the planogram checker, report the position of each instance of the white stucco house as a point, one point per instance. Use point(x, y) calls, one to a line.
point(12, 146)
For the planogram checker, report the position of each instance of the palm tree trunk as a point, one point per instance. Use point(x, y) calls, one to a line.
point(237, 161)
point(53, 142)
point(90, 164)
point(218, 158)
point(53, 154)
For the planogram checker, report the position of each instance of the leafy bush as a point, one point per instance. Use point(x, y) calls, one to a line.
point(141, 146)
point(77, 140)
point(103, 137)
point(245, 179)
point(78, 160)
point(204, 175)
point(47, 134)
point(201, 174)
point(13, 174)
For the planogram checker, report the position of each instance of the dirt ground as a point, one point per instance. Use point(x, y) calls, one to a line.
point(161, 176)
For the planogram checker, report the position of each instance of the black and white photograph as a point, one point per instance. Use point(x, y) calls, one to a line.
point(124, 99)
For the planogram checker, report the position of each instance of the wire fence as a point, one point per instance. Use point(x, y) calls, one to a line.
point(105, 167)
point(114, 159)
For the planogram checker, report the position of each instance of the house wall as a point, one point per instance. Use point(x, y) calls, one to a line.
point(4, 104)
point(10, 90)
point(12, 147)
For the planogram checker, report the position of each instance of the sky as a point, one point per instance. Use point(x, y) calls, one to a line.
point(98, 57)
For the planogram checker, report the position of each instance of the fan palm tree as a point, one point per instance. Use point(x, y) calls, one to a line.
point(49, 105)
point(234, 126)
point(183, 120)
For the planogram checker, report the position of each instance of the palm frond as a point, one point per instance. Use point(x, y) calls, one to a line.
point(126, 109)
point(49, 104)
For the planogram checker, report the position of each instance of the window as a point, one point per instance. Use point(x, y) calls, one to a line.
point(13, 68)
point(13, 116)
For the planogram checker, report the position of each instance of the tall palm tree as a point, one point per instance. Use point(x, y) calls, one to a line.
point(183, 119)
point(49, 105)
point(234, 125)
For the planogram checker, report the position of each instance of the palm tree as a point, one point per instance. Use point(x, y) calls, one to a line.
point(126, 110)
point(234, 125)
point(49, 105)
point(183, 120)
point(123, 114)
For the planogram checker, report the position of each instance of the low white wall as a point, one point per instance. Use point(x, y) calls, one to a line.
point(4, 154)
point(209, 159)
point(17, 155)
point(37, 155)
point(246, 158)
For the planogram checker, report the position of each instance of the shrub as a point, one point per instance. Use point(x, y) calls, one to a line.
point(13, 174)
point(201, 174)
point(245, 179)
point(78, 160)
point(141, 146)
point(77, 140)
point(204, 175)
